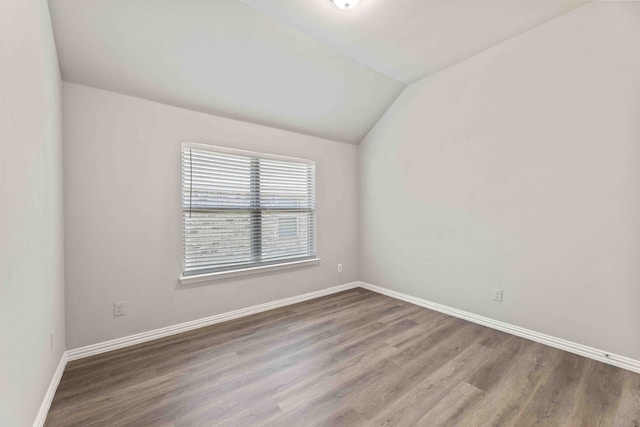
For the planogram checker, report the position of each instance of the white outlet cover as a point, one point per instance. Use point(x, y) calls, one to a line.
point(119, 308)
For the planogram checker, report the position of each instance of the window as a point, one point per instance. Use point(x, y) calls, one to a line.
point(243, 209)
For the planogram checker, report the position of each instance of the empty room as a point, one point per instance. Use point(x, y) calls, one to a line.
point(319, 213)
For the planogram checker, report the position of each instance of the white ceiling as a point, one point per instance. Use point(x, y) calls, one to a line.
point(305, 66)
point(409, 39)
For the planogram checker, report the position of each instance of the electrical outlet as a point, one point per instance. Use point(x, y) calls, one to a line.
point(119, 309)
point(339, 268)
point(497, 294)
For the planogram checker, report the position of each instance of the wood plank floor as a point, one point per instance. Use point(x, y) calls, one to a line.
point(351, 359)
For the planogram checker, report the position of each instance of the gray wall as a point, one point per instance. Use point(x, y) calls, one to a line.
point(31, 234)
point(123, 215)
point(519, 169)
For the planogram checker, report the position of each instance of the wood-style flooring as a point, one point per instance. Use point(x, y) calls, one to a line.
point(355, 358)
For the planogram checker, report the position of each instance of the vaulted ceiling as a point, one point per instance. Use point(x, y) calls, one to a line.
point(305, 66)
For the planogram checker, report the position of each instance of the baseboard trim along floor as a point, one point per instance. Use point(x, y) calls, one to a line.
point(103, 347)
point(559, 343)
point(51, 391)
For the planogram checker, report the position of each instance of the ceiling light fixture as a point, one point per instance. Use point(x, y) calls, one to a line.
point(345, 4)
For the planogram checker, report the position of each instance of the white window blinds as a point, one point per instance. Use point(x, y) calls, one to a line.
point(243, 209)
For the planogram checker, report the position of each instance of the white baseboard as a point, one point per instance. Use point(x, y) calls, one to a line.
point(51, 391)
point(562, 344)
point(103, 347)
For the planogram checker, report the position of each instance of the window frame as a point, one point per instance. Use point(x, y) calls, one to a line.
point(256, 266)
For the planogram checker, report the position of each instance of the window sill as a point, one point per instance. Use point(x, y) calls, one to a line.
point(197, 278)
